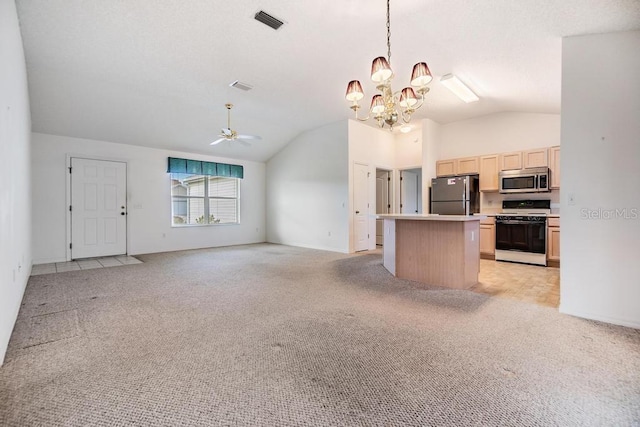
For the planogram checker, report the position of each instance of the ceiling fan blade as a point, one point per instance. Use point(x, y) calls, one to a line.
point(217, 141)
point(249, 137)
point(243, 142)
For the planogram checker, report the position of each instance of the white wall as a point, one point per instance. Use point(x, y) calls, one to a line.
point(431, 136)
point(148, 196)
point(307, 191)
point(499, 133)
point(600, 252)
point(375, 148)
point(15, 186)
point(408, 149)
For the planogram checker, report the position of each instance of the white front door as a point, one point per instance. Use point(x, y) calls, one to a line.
point(98, 208)
point(408, 192)
point(361, 206)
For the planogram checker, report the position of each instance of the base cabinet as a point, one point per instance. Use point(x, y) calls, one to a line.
point(488, 238)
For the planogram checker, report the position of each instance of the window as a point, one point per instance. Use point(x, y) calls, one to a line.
point(204, 193)
point(203, 200)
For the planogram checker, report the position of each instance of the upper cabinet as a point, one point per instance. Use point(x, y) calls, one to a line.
point(535, 158)
point(554, 166)
point(463, 166)
point(489, 172)
point(510, 161)
point(467, 166)
point(445, 167)
point(488, 167)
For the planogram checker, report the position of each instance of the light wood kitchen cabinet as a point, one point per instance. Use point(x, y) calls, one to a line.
point(445, 167)
point(462, 166)
point(554, 167)
point(488, 238)
point(553, 240)
point(489, 168)
point(510, 161)
point(467, 166)
point(535, 158)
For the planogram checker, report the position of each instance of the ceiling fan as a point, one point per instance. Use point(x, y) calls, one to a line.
point(229, 134)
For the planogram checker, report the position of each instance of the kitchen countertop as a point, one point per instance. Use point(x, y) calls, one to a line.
point(433, 217)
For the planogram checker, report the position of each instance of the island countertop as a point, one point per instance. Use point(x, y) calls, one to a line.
point(432, 217)
point(441, 250)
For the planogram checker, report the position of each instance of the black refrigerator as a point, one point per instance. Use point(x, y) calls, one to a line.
point(455, 195)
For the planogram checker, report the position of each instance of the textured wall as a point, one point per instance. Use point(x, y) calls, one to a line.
point(15, 188)
point(600, 227)
point(148, 199)
point(307, 188)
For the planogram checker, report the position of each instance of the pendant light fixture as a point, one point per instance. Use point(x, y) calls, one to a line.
point(388, 107)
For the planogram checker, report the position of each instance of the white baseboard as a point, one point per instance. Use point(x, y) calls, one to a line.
point(606, 319)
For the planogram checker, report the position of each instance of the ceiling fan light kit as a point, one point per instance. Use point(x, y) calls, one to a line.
point(229, 134)
point(388, 107)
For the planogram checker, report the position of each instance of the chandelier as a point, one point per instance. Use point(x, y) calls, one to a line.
point(388, 107)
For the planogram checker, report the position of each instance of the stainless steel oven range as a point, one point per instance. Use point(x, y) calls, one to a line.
point(521, 231)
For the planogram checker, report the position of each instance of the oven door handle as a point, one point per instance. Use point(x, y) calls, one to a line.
point(516, 222)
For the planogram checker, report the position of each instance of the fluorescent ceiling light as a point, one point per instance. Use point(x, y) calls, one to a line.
point(456, 86)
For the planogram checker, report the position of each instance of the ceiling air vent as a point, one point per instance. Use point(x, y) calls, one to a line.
point(239, 85)
point(269, 20)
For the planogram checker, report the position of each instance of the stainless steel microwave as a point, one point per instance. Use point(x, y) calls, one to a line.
point(533, 180)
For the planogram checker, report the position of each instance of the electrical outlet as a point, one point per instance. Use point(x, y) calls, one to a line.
point(329, 234)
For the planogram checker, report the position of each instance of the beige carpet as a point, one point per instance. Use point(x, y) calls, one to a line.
point(281, 336)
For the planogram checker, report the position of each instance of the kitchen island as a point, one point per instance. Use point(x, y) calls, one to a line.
point(441, 250)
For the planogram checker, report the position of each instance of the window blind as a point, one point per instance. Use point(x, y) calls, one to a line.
point(197, 167)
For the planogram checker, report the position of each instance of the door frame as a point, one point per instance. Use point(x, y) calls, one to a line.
point(390, 196)
point(398, 185)
point(67, 174)
point(368, 211)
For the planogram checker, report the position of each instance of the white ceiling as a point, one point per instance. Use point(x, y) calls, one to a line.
point(156, 73)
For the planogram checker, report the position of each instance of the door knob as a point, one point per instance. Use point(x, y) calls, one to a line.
point(122, 213)
point(357, 212)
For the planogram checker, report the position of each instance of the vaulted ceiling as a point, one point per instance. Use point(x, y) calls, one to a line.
point(156, 72)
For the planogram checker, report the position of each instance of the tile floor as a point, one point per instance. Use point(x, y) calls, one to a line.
point(529, 283)
point(84, 264)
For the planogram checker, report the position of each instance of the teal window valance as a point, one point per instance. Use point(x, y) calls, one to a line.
point(197, 167)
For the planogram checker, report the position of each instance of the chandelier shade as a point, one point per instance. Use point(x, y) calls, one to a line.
point(377, 105)
point(408, 98)
point(380, 70)
point(389, 107)
point(354, 91)
point(421, 76)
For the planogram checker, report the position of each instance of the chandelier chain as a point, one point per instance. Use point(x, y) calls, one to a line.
point(388, 34)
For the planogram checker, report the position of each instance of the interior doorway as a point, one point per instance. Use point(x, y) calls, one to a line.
point(383, 200)
point(411, 191)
